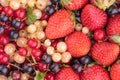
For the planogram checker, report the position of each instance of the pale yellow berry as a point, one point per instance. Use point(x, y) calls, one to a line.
point(31, 28)
point(66, 56)
point(33, 35)
point(40, 35)
point(9, 49)
point(3, 2)
point(23, 1)
point(47, 43)
point(2, 77)
point(21, 42)
point(38, 13)
point(44, 23)
point(37, 23)
point(31, 3)
point(22, 33)
point(56, 57)
point(61, 47)
point(15, 4)
point(19, 59)
point(85, 30)
point(24, 76)
point(50, 50)
point(49, 2)
point(41, 4)
point(78, 27)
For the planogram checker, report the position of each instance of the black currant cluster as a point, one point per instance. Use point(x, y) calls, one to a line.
point(4, 70)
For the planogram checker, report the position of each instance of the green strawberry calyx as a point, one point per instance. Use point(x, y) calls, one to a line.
point(115, 38)
point(104, 4)
point(72, 16)
point(66, 2)
point(39, 75)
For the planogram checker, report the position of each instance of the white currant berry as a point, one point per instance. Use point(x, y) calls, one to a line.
point(78, 27)
point(19, 59)
point(40, 35)
point(15, 4)
point(50, 50)
point(47, 43)
point(31, 3)
point(38, 13)
point(85, 30)
point(61, 47)
point(56, 57)
point(41, 4)
point(66, 56)
point(31, 28)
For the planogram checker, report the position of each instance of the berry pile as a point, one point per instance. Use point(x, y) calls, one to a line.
point(59, 39)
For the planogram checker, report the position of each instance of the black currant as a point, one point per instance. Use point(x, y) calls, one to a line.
point(46, 58)
point(50, 10)
point(2, 29)
point(16, 23)
point(77, 68)
point(13, 34)
point(4, 18)
point(54, 67)
point(85, 59)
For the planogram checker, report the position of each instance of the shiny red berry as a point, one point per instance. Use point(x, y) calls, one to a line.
point(1, 8)
point(4, 58)
point(8, 10)
point(43, 48)
point(99, 35)
point(23, 51)
point(42, 66)
point(50, 76)
point(22, 26)
point(36, 53)
point(44, 16)
point(54, 43)
point(32, 43)
point(20, 13)
point(4, 39)
point(1, 50)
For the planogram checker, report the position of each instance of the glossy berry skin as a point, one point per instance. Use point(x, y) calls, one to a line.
point(85, 60)
point(2, 29)
point(1, 50)
point(77, 68)
point(4, 70)
point(99, 35)
point(16, 23)
point(54, 1)
point(115, 71)
point(20, 13)
point(43, 48)
point(32, 43)
point(50, 76)
point(113, 10)
point(75, 61)
point(28, 69)
point(94, 73)
point(46, 58)
point(16, 75)
point(54, 67)
point(44, 16)
point(42, 66)
point(22, 51)
point(54, 43)
point(110, 52)
point(8, 10)
point(50, 10)
point(4, 17)
point(36, 53)
point(13, 34)
point(67, 73)
point(1, 8)
point(4, 39)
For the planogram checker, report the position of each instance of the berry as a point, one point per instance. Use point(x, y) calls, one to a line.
point(67, 73)
point(54, 67)
point(4, 70)
point(36, 53)
point(110, 52)
point(46, 58)
point(1, 8)
point(16, 75)
point(8, 10)
point(4, 39)
point(50, 76)
point(99, 35)
point(85, 59)
point(23, 51)
point(75, 61)
point(112, 10)
point(77, 68)
point(56, 57)
point(32, 43)
point(20, 13)
point(2, 29)
point(13, 34)
point(16, 23)
point(50, 10)
point(4, 17)
point(59, 25)
point(54, 1)
point(42, 66)
point(28, 69)
point(93, 17)
point(78, 44)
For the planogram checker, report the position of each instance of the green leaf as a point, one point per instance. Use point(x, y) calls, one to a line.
point(31, 16)
point(116, 38)
point(39, 75)
point(66, 2)
point(73, 16)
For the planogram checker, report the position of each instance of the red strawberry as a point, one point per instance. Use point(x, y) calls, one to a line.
point(74, 4)
point(94, 73)
point(93, 17)
point(113, 28)
point(59, 25)
point(115, 71)
point(105, 53)
point(78, 44)
point(67, 74)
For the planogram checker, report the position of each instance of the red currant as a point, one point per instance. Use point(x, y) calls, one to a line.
point(1, 8)
point(37, 53)
point(42, 66)
point(20, 13)
point(4, 58)
point(32, 43)
point(54, 43)
point(22, 26)
point(50, 76)
point(8, 10)
point(4, 39)
point(23, 51)
point(44, 16)
point(99, 35)
point(1, 50)
point(43, 48)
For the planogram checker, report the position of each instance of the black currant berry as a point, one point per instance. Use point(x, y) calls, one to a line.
point(46, 58)
point(77, 68)
point(4, 18)
point(85, 60)
point(16, 23)
point(13, 34)
point(50, 10)
point(54, 67)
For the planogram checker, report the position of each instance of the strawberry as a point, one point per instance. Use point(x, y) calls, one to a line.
point(94, 73)
point(59, 25)
point(78, 44)
point(74, 4)
point(67, 74)
point(113, 28)
point(115, 71)
point(93, 17)
point(105, 53)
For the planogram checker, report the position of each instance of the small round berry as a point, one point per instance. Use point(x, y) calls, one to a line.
point(19, 59)
point(27, 68)
point(2, 77)
point(22, 51)
point(77, 68)
point(4, 39)
point(50, 50)
point(46, 58)
point(54, 44)
point(8, 10)
point(43, 23)
point(31, 3)
point(32, 43)
point(66, 56)
point(2, 29)
point(1, 9)
point(41, 4)
point(5, 59)
point(9, 48)
point(78, 27)
point(54, 67)
point(4, 18)
point(85, 59)
point(36, 53)
point(16, 23)
point(42, 66)
point(43, 48)
point(38, 23)
point(75, 61)
point(15, 4)
point(47, 43)
point(85, 30)
point(40, 35)
point(21, 42)
point(24, 76)
point(22, 33)
point(50, 10)
point(13, 34)
point(20, 13)
point(61, 47)
point(38, 13)
point(50, 76)
point(99, 35)
point(5, 70)
point(16, 75)
point(54, 1)
point(31, 28)
point(56, 57)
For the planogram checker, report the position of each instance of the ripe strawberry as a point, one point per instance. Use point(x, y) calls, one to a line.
point(93, 17)
point(74, 4)
point(59, 25)
point(113, 28)
point(94, 73)
point(115, 71)
point(105, 53)
point(78, 44)
point(67, 74)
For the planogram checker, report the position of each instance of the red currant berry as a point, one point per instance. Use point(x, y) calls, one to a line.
point(22, 26)
point(37, 53)
point(23, 51)
point(32, 43)
point(44, 16)
point(4, 39)
point(1, 50)
point(43, 48)
point(16, 75)
point(50, 76)
point(99, 35)
point(1, 8)
point(8, 10)
point(42, 66)
point(5, 59)
point(54, 43)
point(20, 13)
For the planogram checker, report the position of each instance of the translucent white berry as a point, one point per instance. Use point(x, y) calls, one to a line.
point(66, 56)
point(47, 43)
point(15, 4)
point(85, 30)
point(38, 13)
point(31, 28)
point(61, 47)
point(50, 50)
point(78, 27)
point(19, 59)
point(56, 57)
